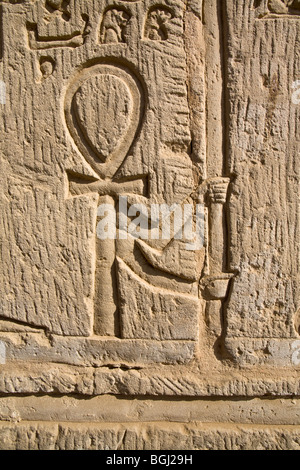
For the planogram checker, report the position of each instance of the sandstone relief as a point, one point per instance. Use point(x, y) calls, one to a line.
point(156, 27)
point(114, 24)
point(277, 7)
point(115, 94)
point(160, 253)
point(149, 182)
point(57, 27)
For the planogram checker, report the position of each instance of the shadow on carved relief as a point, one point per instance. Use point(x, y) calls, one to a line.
point(114, 26)
point(297, 322)
point(105, 143)
point(159, 289)
point(276, 7)
point(47, 66)
point(157, 23)
point(59, 7)
point(114, 92)
point(57, 27)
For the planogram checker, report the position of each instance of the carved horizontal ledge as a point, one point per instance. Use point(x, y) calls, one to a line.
point(98, 352)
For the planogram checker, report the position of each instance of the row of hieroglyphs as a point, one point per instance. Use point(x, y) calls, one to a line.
point(114, 26)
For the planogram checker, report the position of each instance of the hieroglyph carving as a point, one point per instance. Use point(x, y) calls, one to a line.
point(121, 105)
point(156, 27)
point(114, 25)
point(47, 66)
point(59, 7)
point(57, 27)
point(277, 7)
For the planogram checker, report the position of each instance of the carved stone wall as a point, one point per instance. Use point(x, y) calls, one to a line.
point(126, 127)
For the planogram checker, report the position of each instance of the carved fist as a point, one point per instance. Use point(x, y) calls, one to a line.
point(59, 5)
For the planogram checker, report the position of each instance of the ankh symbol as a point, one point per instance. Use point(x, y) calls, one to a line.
point(104, 107)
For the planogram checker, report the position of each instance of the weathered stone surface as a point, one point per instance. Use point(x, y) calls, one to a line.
point(76, 436)
point(149, 226)
point(263, 126)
